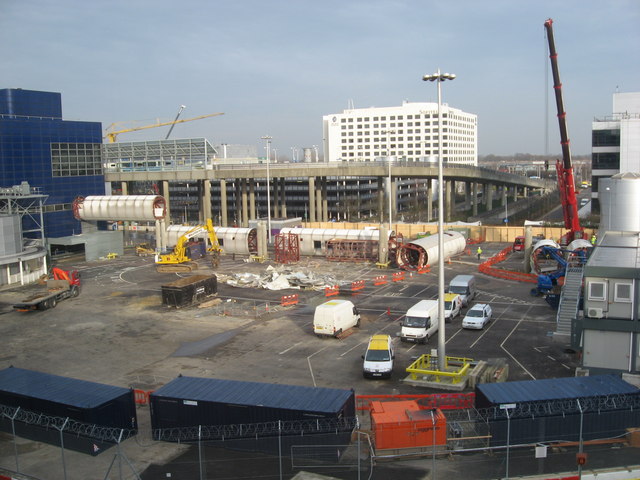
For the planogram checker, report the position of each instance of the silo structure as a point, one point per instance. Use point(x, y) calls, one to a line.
point(144, 208)
point(620, 203)
point(419, 253)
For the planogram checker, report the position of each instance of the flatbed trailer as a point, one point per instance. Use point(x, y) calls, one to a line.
point(57, 290)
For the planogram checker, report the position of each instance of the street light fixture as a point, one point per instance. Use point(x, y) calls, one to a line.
point(439, 78)
point(389, 132)
point(268, 139)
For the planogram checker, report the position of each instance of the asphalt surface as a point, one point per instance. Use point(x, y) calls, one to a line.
point(117, 332)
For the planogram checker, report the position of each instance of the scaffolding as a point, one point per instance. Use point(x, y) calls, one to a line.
point(26, 202)
point(287, 248)
point(345, 250)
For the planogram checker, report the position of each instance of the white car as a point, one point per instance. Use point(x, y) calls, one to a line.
point(477, 316)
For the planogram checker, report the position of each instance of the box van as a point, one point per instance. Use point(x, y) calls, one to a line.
point(452, 306)
point(465, 286)
point(420, 322)
point(518, 244)
point(334, 317)
point(378, 359)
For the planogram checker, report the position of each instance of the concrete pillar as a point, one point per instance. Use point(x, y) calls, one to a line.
point(505, 192)
point(167, 200)
point(467, 195)
point(283, 199)
point(474, 199)
point(515, 193)
point(237, 216)
point(452, 201)
point(274, 198)
point(205, 207)
point(125, 188)
point(429, 199)
point(252, 199)
point(325, 204)
point(223, 203)
point(528, 244)
point(489, 190)
point(447, 200)
point(245, 204)
point(319, 200)
point(525, 192)
point(381, 199)
point(312, 199)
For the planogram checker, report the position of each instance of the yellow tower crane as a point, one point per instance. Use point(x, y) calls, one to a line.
point(111, 136)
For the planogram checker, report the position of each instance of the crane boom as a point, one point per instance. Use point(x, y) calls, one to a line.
point(564, 169)
point(111, 136)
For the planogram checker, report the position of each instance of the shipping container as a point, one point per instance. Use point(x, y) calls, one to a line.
point(64, 397)
point(193, 401)
point(405, 425)
point(189, 290)
point(549, 409)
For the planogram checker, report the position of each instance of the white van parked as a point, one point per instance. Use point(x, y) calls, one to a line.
point(420, 322)
point(334, 317)
point(465, 286)
point(378, 359)
point(452, 306)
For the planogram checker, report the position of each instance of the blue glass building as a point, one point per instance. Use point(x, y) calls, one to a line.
point(59, 157)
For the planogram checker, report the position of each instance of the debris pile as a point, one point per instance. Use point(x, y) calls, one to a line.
point(281, 278)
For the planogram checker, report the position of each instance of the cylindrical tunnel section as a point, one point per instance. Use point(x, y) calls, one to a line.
point(145, 208)
point(419, 253)
point(313, 241)
point(241, 241)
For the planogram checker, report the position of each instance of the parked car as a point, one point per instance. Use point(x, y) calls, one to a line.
point(477, 316)
point(465, 286)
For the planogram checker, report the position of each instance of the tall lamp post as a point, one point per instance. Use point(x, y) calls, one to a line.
point(268, 139)
point(389, 132)
point(439, 78)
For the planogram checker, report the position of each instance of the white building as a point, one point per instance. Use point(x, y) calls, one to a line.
point(408, 132)
point(616, 140)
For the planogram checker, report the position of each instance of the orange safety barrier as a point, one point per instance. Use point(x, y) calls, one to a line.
point(380, 280)
point(287, 300)
point(443, 401)
point(425, 269)
point(357, 285)
point(141, 397)
point(397, 277)
point(488, 268)
point(330, 291)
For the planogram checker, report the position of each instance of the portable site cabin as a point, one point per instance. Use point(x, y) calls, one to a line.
point(47, 395)
point(549, 409)
point(306, 415)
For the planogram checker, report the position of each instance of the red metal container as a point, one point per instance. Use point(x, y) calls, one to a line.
point(406, 425)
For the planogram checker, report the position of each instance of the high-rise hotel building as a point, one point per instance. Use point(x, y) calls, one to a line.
point(408, 132)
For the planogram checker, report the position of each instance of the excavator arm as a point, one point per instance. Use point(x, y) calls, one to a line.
point(178, 258)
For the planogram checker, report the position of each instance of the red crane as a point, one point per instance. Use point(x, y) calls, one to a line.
point(564, 168)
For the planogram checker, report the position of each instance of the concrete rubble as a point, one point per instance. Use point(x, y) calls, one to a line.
point(281, 278)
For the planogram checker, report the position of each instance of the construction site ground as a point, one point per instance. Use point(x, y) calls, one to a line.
point(118, 332)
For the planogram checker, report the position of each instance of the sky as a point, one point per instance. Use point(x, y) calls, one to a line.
point(275, 67)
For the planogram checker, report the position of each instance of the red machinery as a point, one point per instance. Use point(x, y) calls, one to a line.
point(566, 182)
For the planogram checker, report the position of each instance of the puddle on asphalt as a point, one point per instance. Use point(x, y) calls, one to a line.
point(201, 346)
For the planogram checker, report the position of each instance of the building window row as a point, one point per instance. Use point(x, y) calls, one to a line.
point(75, 159)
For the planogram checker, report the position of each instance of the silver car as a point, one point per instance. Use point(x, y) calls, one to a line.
point(477, 316)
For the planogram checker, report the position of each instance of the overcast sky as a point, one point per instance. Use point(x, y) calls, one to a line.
point(277, 66)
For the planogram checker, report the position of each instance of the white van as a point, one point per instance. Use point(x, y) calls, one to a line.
point(420, 322)
point(452, 306)
point(378, 359)
point(334, 317)
point(465, 286)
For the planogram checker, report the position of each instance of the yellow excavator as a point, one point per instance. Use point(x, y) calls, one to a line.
point(178, 260)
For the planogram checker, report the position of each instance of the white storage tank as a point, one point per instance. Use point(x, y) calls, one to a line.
point(620, 203)
point(424, 251)
point(120, 207)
